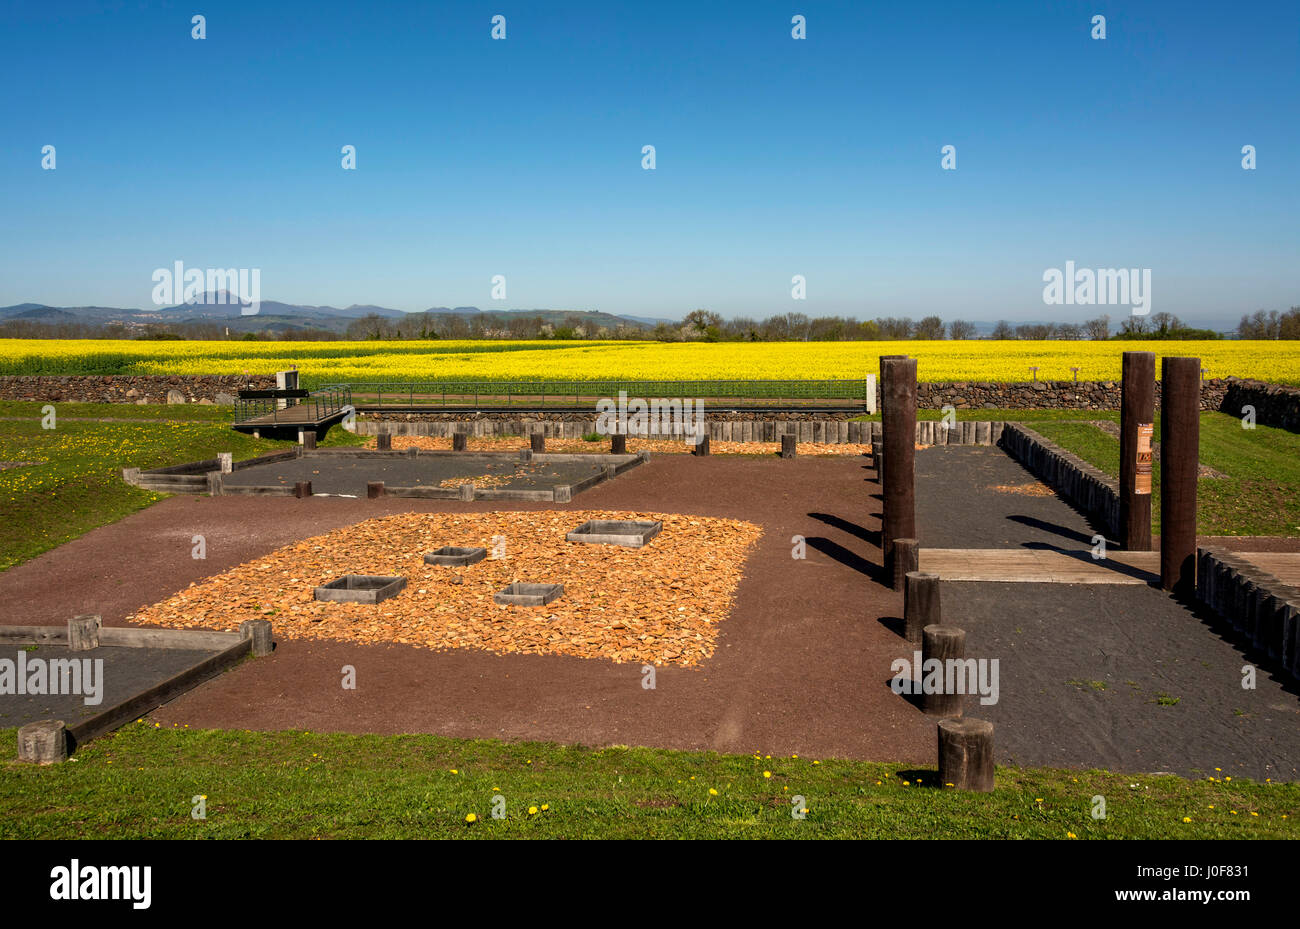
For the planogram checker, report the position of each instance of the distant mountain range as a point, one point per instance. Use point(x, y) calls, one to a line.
point(274, 315)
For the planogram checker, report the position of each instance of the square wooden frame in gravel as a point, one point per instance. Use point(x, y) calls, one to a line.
point(660, 604)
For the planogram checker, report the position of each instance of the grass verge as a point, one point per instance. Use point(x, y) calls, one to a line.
point(1259, 493)
point(141, 783)
point(57, 484)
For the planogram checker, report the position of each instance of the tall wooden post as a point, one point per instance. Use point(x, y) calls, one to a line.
point(899, 420)
point(1180, 448)
point(1136, 416)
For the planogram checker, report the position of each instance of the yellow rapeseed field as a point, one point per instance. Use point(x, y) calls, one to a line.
point(328, 362)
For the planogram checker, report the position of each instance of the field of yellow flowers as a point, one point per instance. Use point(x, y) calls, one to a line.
point(331, 362)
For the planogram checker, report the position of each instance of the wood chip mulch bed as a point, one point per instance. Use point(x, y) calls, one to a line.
point(660, 604)
point(634, 445)
point(1033, 489)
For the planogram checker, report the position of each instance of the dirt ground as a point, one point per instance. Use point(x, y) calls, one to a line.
point(800, 664)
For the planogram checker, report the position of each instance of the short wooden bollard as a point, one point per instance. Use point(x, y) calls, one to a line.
point(302, 489)
point(226, 461)
point(907, 558)
point(467, 492)
point(701, 447)
point(878, 461)
point(920, 604)
point(966, 753)
point(259, 630)
point(307, 439)
point(375, 489)
point(789, 445)
point(83, 632)
point(384, 441)
point(618, 444)
point(537, 441)
point(459, 441)
point(44, 742)
point(942, 643)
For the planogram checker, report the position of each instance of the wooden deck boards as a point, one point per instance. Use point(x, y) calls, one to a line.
point(1041, 566)
point(1285, 566)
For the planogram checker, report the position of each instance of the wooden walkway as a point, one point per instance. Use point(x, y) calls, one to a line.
point(1060, 566)
point(1041, 566)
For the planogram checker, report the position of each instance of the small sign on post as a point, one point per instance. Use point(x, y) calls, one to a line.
point(1142, 473)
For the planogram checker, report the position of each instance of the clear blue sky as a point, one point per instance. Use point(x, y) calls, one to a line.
point(775, 157)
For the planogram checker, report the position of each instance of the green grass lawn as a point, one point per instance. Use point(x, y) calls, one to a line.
point(140, 781)
point(195, 412)
point(1258, 495)
point(73, 482)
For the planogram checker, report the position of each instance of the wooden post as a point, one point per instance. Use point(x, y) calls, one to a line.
point(920, 604)
point(966, 753)
point(83, 632)
point(907, 558)
point(302, 489)
point(459, 442)
point(384, 441)
point(942, 643)
point(537, 441)
point(227, 460)
point(44, 742)
point(618, 443)
point(375, 489)
point(789, 445)
point(900, 452)
point(1180, 448)
point(467, 492)
point(701, 447)
point(308, 439)
point(1136, 416)
point(259, 630)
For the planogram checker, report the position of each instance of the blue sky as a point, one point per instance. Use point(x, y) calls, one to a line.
point(775, 157)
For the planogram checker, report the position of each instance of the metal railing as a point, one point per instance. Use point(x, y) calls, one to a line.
point(318, 405)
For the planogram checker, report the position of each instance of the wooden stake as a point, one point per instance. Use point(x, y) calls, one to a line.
point(920, 604)
point(1137, 414)
point(966, 753)
point(942, 643)
point(1180, 441)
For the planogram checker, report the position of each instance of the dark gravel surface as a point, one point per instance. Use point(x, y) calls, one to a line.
point(1124, 678)
point(347, 475)
point(956, 506)
point(126, 672)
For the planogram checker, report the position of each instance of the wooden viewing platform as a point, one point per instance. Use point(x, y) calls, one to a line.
point(283, 414)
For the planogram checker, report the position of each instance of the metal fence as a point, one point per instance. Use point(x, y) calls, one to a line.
point(318, 405)
point(531, 395)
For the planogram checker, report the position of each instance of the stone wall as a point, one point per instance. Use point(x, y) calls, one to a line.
point(1046, 395)
point(127, 388)
point(1274, 405)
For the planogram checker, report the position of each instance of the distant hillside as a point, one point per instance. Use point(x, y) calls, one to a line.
point(274, 316)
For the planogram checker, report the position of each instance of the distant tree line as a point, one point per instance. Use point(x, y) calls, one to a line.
point(698, 326)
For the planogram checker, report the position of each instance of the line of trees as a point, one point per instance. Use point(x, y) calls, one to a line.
point(698, 326)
